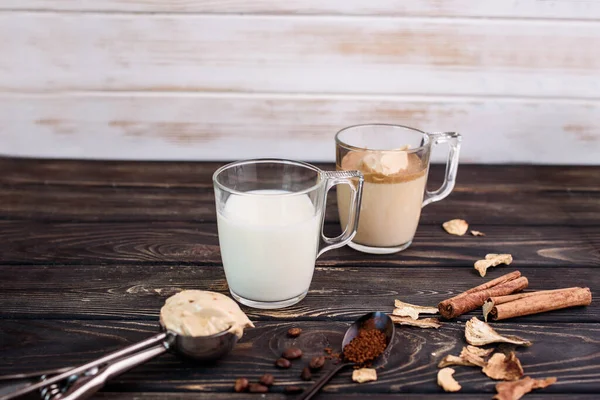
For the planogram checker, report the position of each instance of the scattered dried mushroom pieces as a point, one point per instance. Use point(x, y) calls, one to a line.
point(477, 233)
point(479, 333)
point(492, 260)
point(514, 390)
point(456, 227)
point(504, 368)
point(446, 381)
point(470, 356)
point(410, 310)
point(420, 323)
point(453, 360)
point(363, 375)
point(486, 308)
point(479, 351)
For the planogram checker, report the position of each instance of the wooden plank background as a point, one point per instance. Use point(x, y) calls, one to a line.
point(207, 80)
point(556, 9)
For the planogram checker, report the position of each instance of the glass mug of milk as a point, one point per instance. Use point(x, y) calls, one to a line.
point(270, 217)
point(394, 160)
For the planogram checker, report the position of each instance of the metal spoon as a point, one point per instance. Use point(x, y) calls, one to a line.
point(85, 380)
point(383, 323)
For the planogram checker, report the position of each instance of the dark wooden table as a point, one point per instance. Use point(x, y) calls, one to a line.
point(90, 250)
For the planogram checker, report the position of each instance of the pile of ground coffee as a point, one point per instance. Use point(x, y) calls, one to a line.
point(366, 346)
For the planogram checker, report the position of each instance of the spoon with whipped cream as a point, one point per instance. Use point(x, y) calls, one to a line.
point(197, 324)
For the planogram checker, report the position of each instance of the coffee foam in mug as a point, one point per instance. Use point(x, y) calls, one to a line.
point(382, 166)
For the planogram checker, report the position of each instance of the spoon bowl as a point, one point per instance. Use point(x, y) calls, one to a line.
point(378, 320)
point(204, 348)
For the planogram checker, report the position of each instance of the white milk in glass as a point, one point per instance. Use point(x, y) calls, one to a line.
point(269, 244)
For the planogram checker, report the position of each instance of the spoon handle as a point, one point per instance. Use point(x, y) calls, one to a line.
point(85, 387)
point(321, 382)
point(160, 337)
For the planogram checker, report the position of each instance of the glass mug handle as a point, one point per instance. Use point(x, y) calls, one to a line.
point(348, 178)
point(453, 139)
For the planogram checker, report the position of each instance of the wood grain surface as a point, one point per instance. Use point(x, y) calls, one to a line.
point(89, 251)
point(331, 396)
point(410, 367)
point(192, 242)
point(192, 126)
point(554, 9)
point(139, 291)
point(240, 53)
point(223, 80)
point(172, 175)
point(73, 203)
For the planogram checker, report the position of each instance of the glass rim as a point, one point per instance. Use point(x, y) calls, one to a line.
point(424, 135)
point(280, 161)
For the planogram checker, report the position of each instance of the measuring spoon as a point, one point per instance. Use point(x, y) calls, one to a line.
point(85, 380)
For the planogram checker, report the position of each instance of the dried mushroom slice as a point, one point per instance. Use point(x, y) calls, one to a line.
point(410, 310)
point(363, 375)
point(450, 360)
point(446, 381)
point(477, 233)
point(504, 368)
point(478, 351)
point(487, 308)
point(516, 389)
point(479, 333)
point(492, 260)
point(453, 360)
point(470, 356)
point(420, 323)
point(456, 227)
point(544, 383)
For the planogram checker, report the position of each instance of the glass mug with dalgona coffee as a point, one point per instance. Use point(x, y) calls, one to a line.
point(394, 160)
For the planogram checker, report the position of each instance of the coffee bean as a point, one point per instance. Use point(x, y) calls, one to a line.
point(258, 388)
point(293, 389)
point(294, 332)
point(267, 379)
point(292, 353)
point(241, 385)
point(283, 363)
point(306, 375)
point(317, 363)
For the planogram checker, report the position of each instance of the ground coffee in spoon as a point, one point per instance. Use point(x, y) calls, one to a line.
point(366, 346)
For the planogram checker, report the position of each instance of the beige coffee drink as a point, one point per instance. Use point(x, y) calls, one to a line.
point(394, 160)
point(392, 195)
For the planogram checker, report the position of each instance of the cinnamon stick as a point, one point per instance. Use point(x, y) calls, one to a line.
point(475, 297)
point(494, 282)
point(539, 302)
point(512, 297)
point(493, 301)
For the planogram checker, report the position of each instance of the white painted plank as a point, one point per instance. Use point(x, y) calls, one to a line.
point(229, 126)
point(559, 9)
point(298, 54)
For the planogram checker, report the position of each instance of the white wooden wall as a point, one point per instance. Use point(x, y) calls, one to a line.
point(227, 79)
